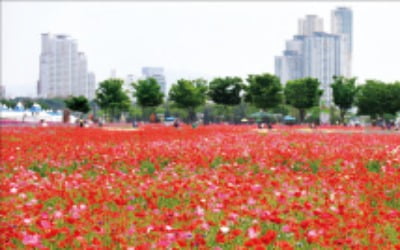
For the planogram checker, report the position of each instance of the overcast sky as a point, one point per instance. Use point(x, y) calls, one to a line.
point(193, 39)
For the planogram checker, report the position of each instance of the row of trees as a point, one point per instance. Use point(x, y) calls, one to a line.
point(263, 91)
point(45, 103)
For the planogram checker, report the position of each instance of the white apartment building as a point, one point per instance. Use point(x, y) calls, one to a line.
point(322, 61)
point(317, 54)
point(342, 25)
point(2, 91)
point(91, 89)
point(310, 24)
point(289, 66)
point(63, 69)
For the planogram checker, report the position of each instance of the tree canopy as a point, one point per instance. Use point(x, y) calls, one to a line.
point(148, 93)
point(189, 94)
point(111, 97)
point(226, 91)
point(344, 91)
point(78, 103)
point(264, 91)
point(303, 94)
point(375, 98)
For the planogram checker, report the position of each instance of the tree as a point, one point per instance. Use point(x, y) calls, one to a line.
point(111, 97)
point(10, 103)
point(148, 93)
point(51, 103)
point(303, 94)
point(27, 102)
point(375, 98)
point(394, 98)
point(78, 103)
point(264, 91)
point(189, 95)
point(226, 91)
point(344, 91)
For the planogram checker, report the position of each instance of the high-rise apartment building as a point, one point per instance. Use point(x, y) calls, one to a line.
point(91, 91)
point(310, 24)
point(2, 91)
point(321, 60)
point(158, 74)
point(342, 25)
point(63, 69)
point(317, 54)
point(289, 66)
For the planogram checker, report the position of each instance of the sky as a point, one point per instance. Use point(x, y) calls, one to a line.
point(188, 39)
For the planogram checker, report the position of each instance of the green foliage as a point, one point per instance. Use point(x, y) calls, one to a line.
point(226, 91)
point(314, 165)
point(374, 166)
point(188, 95)
point(344, 92)
point(165, 202)
point(147, 168)
point(217, 161)
point(393, 200)
point(27, 102)
point(42, 170)
point(111, 97)
point(281, 109)
point(78, 103)
point(376, 98)
point(148, 93)
point(140, 201)
point(51, 103)
point(392, 234)
point(264, 91)
point(314, 114)
point(303, 94)
point(53, 202)
point(10, 103)
point(394, 97)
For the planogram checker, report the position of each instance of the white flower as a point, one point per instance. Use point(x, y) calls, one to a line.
point(224, 229)
point(27, 221)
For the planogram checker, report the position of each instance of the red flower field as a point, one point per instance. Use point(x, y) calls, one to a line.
point(213, 187)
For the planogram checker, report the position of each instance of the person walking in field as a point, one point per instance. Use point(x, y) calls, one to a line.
point(176, 123)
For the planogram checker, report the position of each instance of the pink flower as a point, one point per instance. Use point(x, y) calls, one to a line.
point(58, 214)
point(286, 229)
point(31, 240)
point(45, 224)
point(252, 233)
point(199, 211)
point(251, 201)
point(312, 233)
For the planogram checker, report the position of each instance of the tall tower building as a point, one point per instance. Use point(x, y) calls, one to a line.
point(342, 25)
point(2, 91)
point(158, 74)
point(289, 66)
point(317, 54)
point(91, 90)
point(63, 69)
point(322, 61)
point(310, 24)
